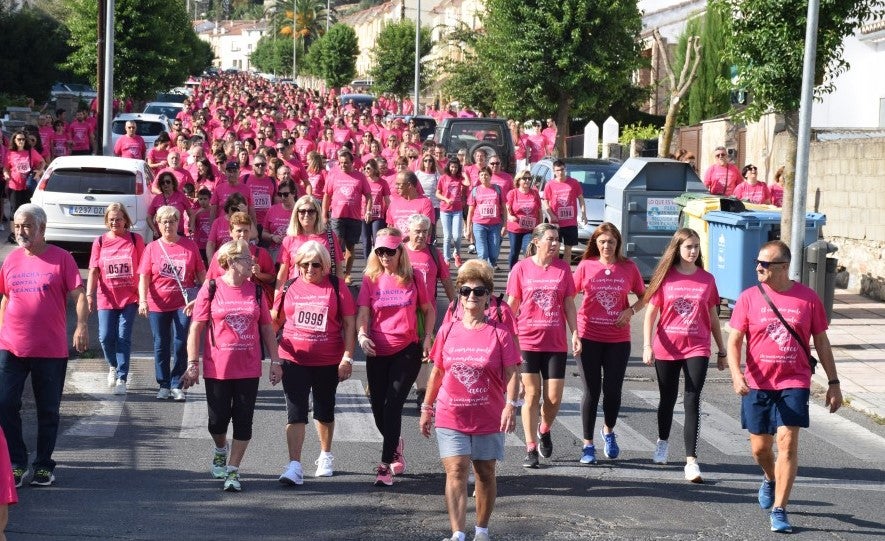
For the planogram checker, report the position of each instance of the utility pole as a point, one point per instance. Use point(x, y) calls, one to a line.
point(415, 108)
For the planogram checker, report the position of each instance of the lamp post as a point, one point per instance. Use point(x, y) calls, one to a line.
point(417, 59)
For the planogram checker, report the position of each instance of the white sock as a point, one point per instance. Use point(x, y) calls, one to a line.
point(461, 536)
point(222, 450)
point(232, 469)
point(324, 454)
point(480, 529)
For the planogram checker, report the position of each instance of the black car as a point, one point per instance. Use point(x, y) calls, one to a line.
point(471, 134)
point(426, 124)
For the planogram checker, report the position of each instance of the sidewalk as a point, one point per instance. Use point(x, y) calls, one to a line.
point(857, 334)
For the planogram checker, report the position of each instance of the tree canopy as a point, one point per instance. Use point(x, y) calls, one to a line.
point(33, 45)
point(333, 56)
point(155, 47)
point(707, 97)
point(394, 56)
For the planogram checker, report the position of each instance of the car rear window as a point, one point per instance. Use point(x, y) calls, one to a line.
point(95, 181)
point(143, 128)
point(592, 181)
point(169, 110)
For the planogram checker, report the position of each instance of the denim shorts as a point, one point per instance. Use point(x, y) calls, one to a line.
point(762, 412)
point(477, 447)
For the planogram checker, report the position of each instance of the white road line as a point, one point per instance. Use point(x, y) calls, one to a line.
point(195, 417)
point(848, 436)
point(103, 423)
point(717, 428)
point(353, 414)
point(570, 417)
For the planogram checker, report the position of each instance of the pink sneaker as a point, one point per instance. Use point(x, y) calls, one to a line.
point(457, 260)
point(398, 466)
point(384, 477)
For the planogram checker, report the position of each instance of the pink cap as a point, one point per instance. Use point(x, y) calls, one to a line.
point(388, 241)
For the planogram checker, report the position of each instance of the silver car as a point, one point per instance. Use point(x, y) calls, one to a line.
point(148, 126)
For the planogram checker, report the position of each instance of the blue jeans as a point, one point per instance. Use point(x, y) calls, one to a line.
point(488, 242)
point(451, 222)
point(115, 336)
point(47, 381)
point(166, 328)
point(369, 231)
point(518, 244)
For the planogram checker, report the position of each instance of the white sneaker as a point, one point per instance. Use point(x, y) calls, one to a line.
point(293, 474)
point(120, 387)
point(164, 394)
point(324, 465)
point(693, 473)
point(112, 376)
point(661, 452)
point(178, 395)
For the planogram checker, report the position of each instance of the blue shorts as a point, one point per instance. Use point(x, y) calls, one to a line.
point(762, 412)
point(477, 447)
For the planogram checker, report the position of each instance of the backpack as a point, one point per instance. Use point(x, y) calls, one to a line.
point(101, 239)
point(259, 292)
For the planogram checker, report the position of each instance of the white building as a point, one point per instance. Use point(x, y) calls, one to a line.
point(231, 41)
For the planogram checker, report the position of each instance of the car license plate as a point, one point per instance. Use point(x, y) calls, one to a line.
point(87, 211)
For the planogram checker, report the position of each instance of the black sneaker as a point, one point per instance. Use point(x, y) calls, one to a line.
point(531, 460)
point(18, 475)
point(42, 478)
point(545, 444)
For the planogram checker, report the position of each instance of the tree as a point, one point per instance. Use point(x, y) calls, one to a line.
point(678, 87)
point(767, 46)
point(33, 45)
point(556, 58)
point(273, 54)
point(706, 98)
point(333, 56)
point(394, 56)
point(466, 80)
point(153, 45)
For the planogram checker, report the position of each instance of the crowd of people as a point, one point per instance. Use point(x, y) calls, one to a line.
point(258, 211)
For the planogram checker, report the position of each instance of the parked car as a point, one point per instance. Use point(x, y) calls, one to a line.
point(592, 175)
point(148, 126)
point(169, 109)
point(491, 134)
point(361, 101)
point(84, 92)
point(426, 124)
point(75, 191)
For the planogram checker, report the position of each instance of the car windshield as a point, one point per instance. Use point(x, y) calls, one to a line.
point(478, 131)
point(169, 111)
point(592, 178)
point(144, 129)
point(91, 181)
point(76, 87)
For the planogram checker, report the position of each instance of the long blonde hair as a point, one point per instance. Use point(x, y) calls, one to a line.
point(403, 267)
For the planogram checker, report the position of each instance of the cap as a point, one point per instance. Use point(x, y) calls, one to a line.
point(231, 166)
point(388, 241)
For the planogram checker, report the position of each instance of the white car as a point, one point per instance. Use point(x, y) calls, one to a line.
point(169, 109)
point(148, 126)
point(75, 191)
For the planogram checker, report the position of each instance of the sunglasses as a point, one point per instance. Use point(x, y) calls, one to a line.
point(752, 169)
point(307, 211)
point(382, 252)
point(766, 264)
point(480, 291)
point(494, 163)
point(721, 155)
point(258, 164)
point(311, 265)
point(286, 194)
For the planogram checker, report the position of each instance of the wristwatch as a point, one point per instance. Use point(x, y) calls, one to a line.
point(347, 360)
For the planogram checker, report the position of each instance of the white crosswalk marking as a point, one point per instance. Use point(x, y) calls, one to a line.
point(353, 414)
point(570, 417)
point(103, 423)
point(848, 436)
point(717, 427)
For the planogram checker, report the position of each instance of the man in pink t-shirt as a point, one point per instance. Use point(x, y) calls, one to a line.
point(347, 199)
point(261, 188)
point(563, 200)
point(406, 201)
point(36, 281)
point(130, 145)
point(722, 177)
point(775, 384)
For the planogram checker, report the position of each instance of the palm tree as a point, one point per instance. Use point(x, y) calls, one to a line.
point(309, 16)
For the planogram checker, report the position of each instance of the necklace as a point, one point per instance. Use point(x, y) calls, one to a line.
point(608, 267)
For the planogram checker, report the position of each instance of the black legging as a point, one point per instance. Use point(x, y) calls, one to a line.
point(231, 400)
point(695, 369)
point(596, 358)
point(390, 379)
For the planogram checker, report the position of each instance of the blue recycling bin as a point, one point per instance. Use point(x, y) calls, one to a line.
point(734, 242)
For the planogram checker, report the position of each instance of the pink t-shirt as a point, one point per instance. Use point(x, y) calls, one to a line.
point(777, 194)
point(453, 189)
point(117, 259)
point(393, 322)
point(347, 192)
point(259, 255)
point(81, 134)
point(774, 360)
point(164, 294)
point(562, 197)
point(757, 193)
point(219, 232)
point(317, 181)
point(236, 318)
point(722, 179)
point(489, 205)
point(526, 207)
point(276, 222)
point(380, 190)
point(222, 192)
point(8, 494)
point(20, 163)
point(401, 209)
point(292, 242)
point(431, 270)
point(175, 199)
point(312, 335)
point(683, 328)
point(471, 396)
point(58, 142)
point(130, 147)
point(261, 193)
point(37, 287)
point(504, 181)
point(542, 294)
point(605, 297)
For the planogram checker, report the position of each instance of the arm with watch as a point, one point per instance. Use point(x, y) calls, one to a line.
point(362, 332)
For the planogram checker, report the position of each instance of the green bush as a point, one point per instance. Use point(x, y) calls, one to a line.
point(637, 131)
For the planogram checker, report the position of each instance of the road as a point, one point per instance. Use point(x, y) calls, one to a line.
point(135, 468)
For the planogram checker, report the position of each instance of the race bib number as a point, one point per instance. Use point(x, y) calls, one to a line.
point(23, 167)
point(527, 222)
point(118, 268)
point(376, 211)
point(487, 210)
point(261, 200)
point(565, 213)
point(172, 269)
point(311, 317)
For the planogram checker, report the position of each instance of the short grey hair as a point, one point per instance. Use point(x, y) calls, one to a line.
point(34, 211)
point(419, 220)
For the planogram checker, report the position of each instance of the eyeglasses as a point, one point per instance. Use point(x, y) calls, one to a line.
point(244, 259)
point(526, 177)
point(494, 163)
point(311, 265)
point(307, 211)
point(286, 194)
point(480, 291)
point(766, 264)
point(385, 252)
point(752, 168)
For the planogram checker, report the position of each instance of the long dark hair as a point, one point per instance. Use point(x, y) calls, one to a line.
point(670, 258)
point(455, 161)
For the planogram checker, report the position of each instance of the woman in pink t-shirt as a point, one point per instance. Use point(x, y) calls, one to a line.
point(241, 227)
point(472, 393)
point(450, 190)
point(605, 278)
point(169, 272)
point(170, 196)
point(307, 223)
point(318, 336)
point(277, 219)
point(112, 288)
point(380, 202)
point(487, 211)
point(523, 214)
point(232, 321)
point(685, 297)
point(541, 293)
point(219, 231)
point(21, 161)
point(387, 330)
point(776, 188)
point(751, 189)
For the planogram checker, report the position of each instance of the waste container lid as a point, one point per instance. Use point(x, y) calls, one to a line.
point(758, 217)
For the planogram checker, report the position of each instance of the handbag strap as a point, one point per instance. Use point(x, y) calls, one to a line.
point(789, 328)
point(174, 271)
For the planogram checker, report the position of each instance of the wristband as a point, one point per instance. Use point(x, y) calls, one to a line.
point(633, 309)
point(276, 363)
point(428, 408)
point(833, 382)
point(514, 403)
point(721, 355)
